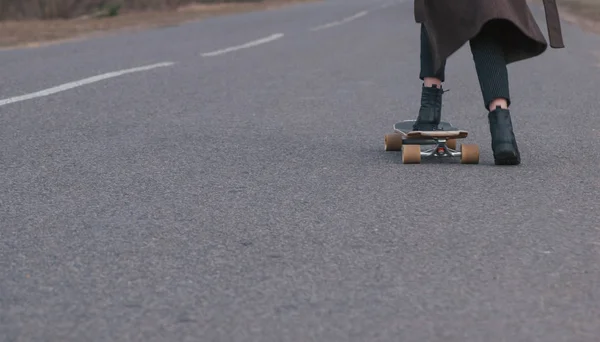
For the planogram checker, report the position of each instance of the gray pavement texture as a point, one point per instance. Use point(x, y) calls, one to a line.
point(247, 196)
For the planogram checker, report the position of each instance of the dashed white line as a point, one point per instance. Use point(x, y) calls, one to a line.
point(244, 46)
point(80, 83)
point(343, 21)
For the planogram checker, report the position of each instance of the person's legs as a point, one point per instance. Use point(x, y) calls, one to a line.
point(431, 91)
point(427, 74)
point(492, 72)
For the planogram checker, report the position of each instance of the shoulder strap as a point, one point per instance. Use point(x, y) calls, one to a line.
point(553, 24)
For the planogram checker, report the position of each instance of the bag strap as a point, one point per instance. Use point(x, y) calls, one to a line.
point(553, 24)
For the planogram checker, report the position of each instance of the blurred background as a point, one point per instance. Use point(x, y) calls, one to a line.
point(28, 22)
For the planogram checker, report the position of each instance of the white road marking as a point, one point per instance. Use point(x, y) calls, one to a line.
point(388, 5)
point(244, 46)
point(343, 21)
point(80, 83)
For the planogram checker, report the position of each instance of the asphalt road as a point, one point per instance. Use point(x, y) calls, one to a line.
point(245, 195)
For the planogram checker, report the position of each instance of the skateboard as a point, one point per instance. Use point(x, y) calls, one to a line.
point(443, 140)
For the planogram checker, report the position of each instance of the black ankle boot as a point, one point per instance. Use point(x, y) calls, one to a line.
point(430, 112)
point(504, 143)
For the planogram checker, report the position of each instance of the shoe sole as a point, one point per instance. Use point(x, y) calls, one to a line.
point(507, 158)
point(506, 154)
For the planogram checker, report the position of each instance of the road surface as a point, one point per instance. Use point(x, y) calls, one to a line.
point(225, 180)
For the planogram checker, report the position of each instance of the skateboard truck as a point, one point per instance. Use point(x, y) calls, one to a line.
point(441, 149)
point(443, 140)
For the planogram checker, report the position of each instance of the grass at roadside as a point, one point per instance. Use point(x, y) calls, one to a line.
point(31, 33)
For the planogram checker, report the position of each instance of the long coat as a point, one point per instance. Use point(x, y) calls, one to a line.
point(452, 23)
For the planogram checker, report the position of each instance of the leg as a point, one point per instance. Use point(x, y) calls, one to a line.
point(431, 91)
point(491, 70)
point(427, 74)
point(490, 64)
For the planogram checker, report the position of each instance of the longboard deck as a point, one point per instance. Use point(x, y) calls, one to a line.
point(407, 140)
point(446, 130)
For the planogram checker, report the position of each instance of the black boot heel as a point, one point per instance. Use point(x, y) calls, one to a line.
point(504, 143)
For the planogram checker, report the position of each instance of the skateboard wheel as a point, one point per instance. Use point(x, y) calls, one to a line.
point(393, 142)
point(411, 154)
point(469, 154)
point(451, 143)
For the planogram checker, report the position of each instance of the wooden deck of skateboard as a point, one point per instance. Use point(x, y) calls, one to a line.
point(447, 131)
point(437, 134)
